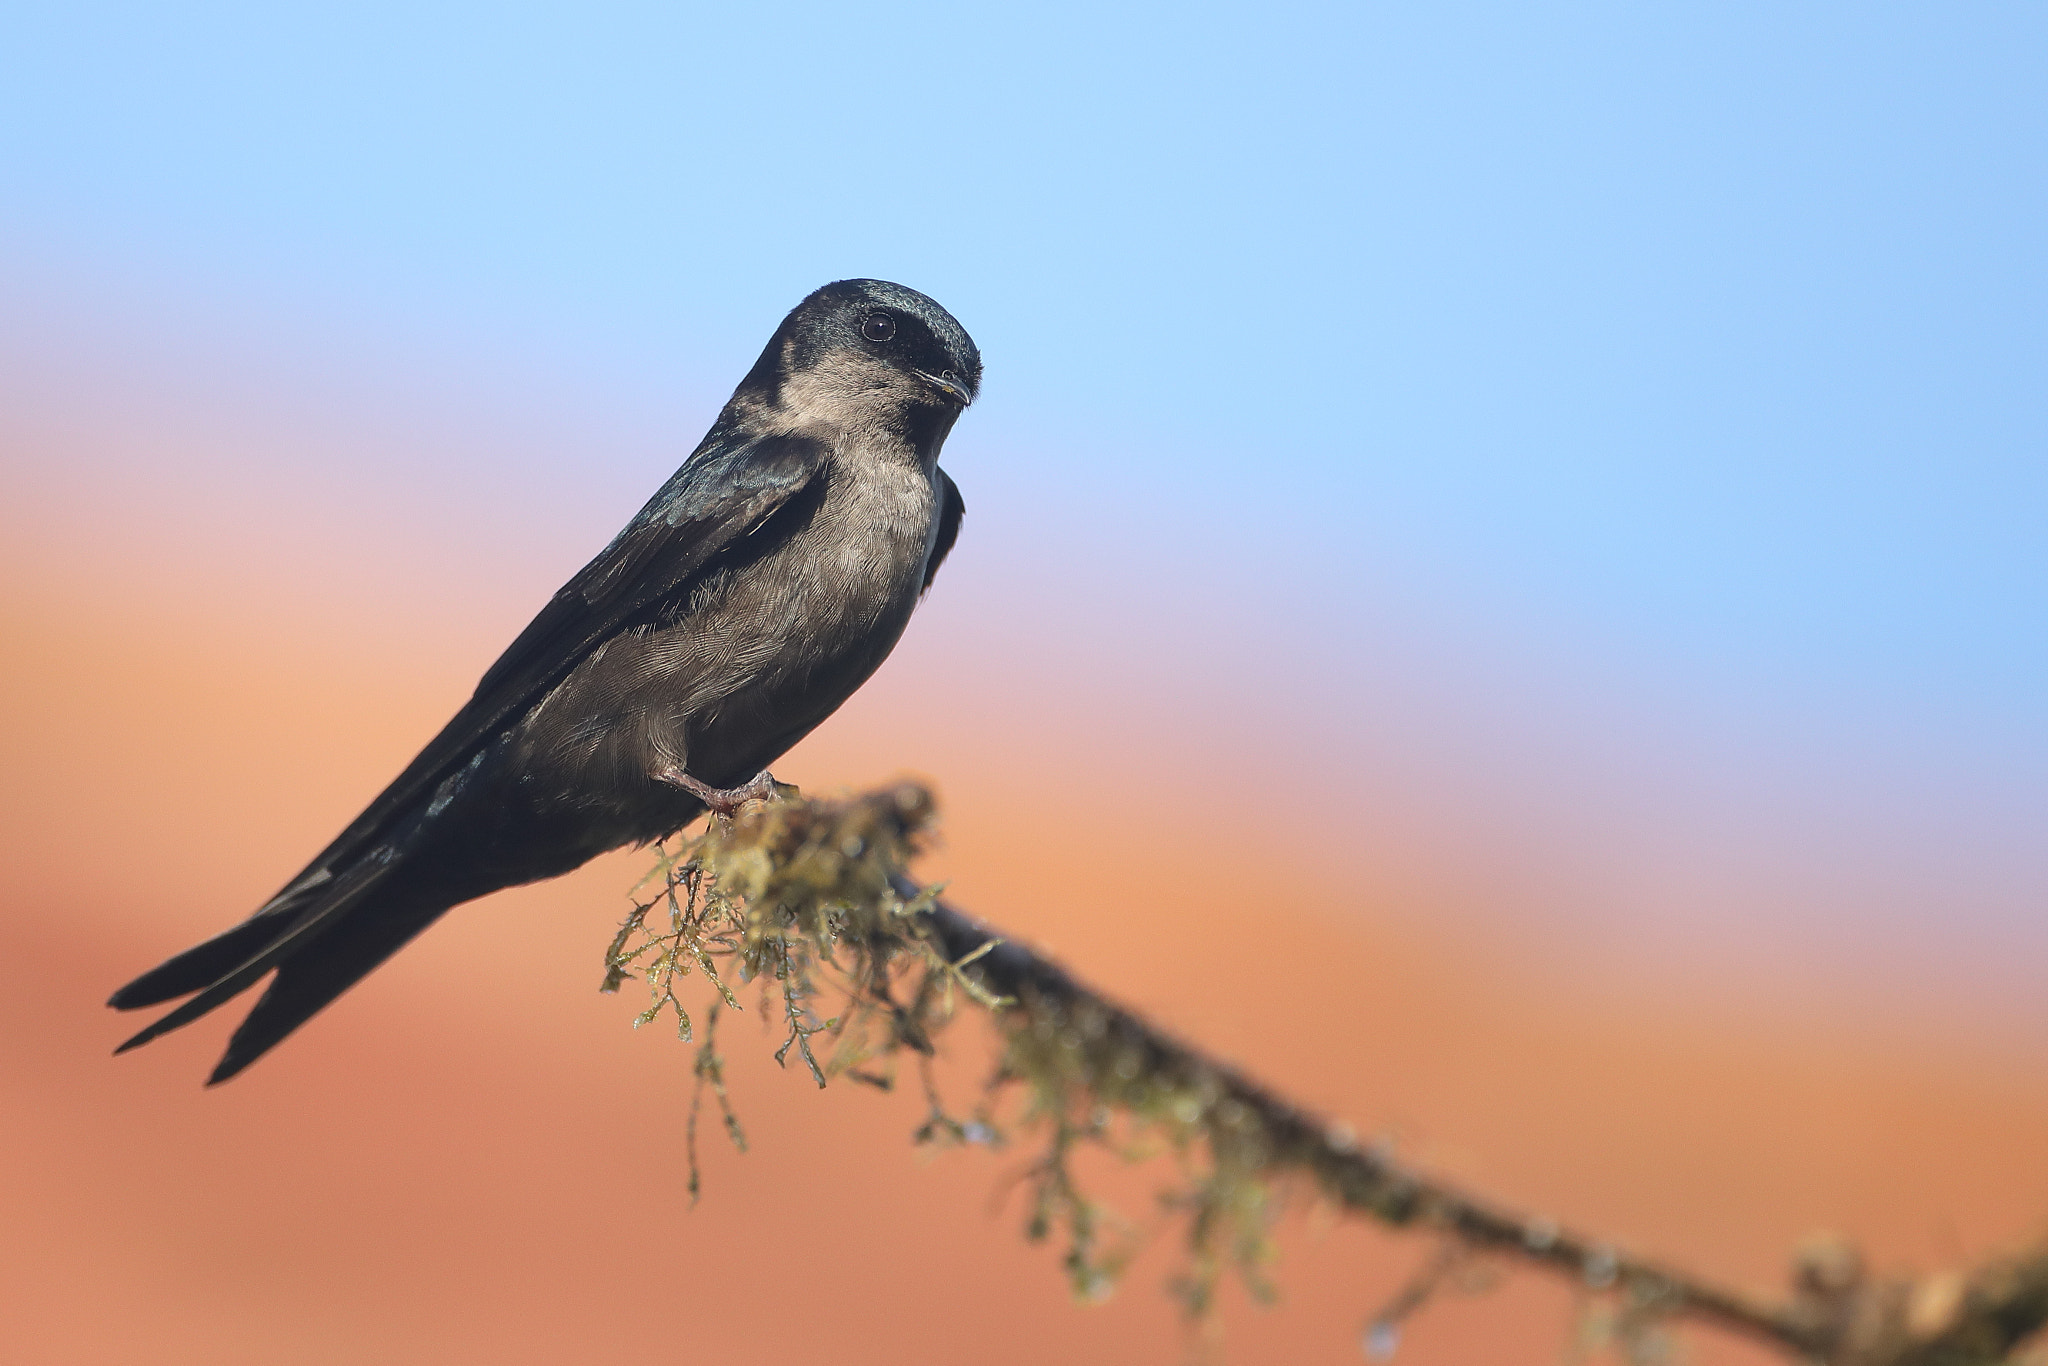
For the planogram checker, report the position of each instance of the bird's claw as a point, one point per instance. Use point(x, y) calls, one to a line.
point(725, 802)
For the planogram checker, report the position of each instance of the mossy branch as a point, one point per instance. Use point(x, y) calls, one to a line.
point(811, 897)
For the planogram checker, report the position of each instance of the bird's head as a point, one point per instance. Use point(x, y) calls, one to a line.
point(867, 353)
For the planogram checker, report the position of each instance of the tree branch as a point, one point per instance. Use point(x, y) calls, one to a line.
point(807, 879)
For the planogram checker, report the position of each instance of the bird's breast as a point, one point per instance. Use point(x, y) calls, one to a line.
point(761, 651)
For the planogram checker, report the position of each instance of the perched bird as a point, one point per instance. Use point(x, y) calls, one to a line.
point(762, 585)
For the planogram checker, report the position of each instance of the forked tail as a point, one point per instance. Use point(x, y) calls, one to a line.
point(320, 937)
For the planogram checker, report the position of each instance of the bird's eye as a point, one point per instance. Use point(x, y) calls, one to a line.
point(879, 327)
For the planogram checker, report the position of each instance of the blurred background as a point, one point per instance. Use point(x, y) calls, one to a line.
point(1505, 588)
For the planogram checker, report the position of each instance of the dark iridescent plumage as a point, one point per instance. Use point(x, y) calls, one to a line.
point(752, 595)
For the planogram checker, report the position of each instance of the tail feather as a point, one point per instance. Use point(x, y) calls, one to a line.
point(202, 965)
point(266, 940)
point(305, 983)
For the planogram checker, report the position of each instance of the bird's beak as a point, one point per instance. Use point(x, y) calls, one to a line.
point(947, 384)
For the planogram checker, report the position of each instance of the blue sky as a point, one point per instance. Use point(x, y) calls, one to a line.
point(1695, 347)
point(1722, 326)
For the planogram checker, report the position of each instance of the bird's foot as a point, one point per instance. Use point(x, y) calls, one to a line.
point(725, 801)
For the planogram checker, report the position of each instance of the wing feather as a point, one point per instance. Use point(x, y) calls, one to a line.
point(952, 507)
point(723, 493)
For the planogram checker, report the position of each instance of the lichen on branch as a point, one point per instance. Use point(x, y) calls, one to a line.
point(808, 901)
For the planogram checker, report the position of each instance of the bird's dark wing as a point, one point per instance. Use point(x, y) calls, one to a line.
point(723, 493)
point(952, 507)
